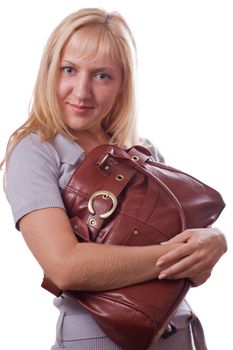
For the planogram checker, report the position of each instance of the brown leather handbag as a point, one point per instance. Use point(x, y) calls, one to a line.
point(123, 197)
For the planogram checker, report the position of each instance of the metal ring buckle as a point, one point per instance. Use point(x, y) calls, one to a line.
point(106, 195)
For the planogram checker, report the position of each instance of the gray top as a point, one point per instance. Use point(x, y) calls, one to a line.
point(37, 172)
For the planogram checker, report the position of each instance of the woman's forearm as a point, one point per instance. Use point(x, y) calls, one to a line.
point(103, 267)
point(86, 266)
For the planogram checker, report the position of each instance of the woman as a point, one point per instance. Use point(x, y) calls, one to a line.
point(84, 97)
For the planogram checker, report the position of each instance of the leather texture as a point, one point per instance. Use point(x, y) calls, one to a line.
point(154, 202)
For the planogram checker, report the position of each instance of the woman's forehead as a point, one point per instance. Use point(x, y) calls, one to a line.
point(91, 45)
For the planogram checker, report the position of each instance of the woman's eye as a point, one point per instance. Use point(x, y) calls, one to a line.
point(102, 76)
point(67, 69)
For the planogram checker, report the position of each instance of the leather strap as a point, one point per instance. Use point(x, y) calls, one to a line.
point(114, 184)
point(198, 334)
point(50, 286)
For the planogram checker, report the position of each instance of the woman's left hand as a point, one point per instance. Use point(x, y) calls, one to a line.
point(196, 258)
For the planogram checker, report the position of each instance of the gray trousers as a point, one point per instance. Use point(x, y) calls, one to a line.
point(78, 331)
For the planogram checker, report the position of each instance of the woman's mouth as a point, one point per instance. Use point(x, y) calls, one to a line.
point(80, 108)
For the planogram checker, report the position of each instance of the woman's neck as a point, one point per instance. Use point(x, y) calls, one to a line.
point(88, 140)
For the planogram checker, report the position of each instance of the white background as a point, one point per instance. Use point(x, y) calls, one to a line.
point(186, 86)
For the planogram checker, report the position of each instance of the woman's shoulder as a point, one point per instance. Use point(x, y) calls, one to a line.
point(32, 177)
point(31, 151)
point(58, 149)
point(30, 143)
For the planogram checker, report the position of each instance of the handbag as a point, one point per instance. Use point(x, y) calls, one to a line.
point(124, 197)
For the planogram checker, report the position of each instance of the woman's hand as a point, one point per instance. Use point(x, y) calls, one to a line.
point(196, 258)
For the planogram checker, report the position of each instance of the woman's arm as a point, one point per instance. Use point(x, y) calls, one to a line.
point(196, 258)
point(86, 266)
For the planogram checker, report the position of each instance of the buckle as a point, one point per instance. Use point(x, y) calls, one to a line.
point(169, 331)
point(102, 162)
point(105, 195)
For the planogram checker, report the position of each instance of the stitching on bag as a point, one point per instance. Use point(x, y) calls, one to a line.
point(75, 194)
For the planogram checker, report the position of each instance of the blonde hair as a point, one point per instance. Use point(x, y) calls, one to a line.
point(111, 35)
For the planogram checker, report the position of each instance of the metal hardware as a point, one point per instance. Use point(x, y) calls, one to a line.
point(135, 158)
point(105, 195)
point(119, 177)
point(101, 163)
point(92, 222)
point(135, 232)
point(171, 329)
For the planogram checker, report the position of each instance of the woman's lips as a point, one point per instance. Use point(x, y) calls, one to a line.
point(80, 108)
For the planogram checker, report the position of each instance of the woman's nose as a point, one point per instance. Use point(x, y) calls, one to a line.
point(82, 88)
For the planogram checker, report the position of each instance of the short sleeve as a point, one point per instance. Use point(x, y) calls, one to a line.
point(32, 176)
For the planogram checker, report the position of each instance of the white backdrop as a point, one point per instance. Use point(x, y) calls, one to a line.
point(185, 107)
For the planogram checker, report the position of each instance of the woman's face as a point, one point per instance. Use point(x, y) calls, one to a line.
point(87, 88)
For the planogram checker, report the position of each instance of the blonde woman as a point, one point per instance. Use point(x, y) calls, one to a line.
point(84, 97)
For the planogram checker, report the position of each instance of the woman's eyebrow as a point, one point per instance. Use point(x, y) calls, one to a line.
point(104, 68)
point(101, 68)
point(67, 61)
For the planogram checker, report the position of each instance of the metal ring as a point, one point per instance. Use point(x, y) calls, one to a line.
point(119, 177)
point(135, 158)
point(106, 195)
point(92, 222)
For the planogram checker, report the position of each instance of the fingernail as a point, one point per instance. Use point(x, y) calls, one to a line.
point(165, 242)
point(159, 263)
point(161, 276)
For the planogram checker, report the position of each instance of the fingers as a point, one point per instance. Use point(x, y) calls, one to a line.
point(180, 238)
point(174, 255)
point(185, 268)
point(184, 262)
point(198, 252)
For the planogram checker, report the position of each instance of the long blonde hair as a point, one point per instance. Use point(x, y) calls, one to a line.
point(110, 34)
